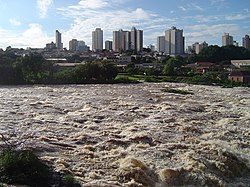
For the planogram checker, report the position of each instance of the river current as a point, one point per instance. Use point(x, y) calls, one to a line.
point(133, 134)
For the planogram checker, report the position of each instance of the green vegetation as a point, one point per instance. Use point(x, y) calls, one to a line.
point(23, 167)
point(221, 55)
point(69, 181)
point(34, 69)
point(177, 91)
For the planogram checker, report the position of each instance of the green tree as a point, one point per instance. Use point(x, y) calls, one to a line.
point(172, 67)
point(35, 69)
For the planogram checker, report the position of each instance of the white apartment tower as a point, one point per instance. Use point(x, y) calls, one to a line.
point(174, 42)
point(197, 47)
point(136, 39)
point(59, 44)
point(128, 40)
point(108, 45)
point(161, 44)
point(227, 39)
point(121, 40)
point(246, 42)
point(97, 40)
point(73, 45)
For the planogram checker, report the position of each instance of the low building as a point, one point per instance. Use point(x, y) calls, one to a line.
point(242, 64)
point(240, 76)
point(203, 67)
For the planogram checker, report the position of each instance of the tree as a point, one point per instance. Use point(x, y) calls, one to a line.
point(172, 67)
point(109, 70)
point(35, 69)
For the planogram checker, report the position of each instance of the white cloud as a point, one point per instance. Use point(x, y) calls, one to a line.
point(237, 17)
point(205, 18)
point(212, 33)
point(191, 7)
point(213, 2)
point(43, 6)
point(110, 16)
point(14, 22)
point(34, 36)
point(93, 4)
point(183, 8)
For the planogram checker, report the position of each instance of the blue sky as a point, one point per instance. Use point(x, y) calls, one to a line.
point(32, 23)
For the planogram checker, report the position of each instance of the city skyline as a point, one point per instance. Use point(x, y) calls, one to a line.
point(33, 23)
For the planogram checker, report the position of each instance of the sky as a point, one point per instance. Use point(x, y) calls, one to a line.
point(32, 23)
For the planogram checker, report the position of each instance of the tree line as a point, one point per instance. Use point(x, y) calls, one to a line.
point(34, 69)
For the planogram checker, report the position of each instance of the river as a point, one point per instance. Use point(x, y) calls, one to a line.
point(133, 134)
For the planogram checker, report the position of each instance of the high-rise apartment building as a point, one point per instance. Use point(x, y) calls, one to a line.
point(108, 45)
point(80, 46)
point(161, 43)
point(121, 40)
point(139, 40)
point(51, 45)
point(97, 40)
point(174, 41)
point(227, 39)
point(246, 42)
point(136, 39)
point(59, 44)
point(197, 47)
point(73, 45)
point(128, 40)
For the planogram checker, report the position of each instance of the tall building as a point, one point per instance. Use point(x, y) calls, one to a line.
point(108, 45)
point(139, 40)
point(121, 40)
point(197, 47)
point(80, 46)
point(246, 42)
point(59, 44)
point(136, 39)
point(161, 43)
point(73, 44)
point(97, 40)
point(128, 40)
point(51, 45)
point(174, 41)
point(227, 39)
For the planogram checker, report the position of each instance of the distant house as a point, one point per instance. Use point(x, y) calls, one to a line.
point(203, 67)
point(240, 76)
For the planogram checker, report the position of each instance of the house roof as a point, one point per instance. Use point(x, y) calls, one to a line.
point(208, 64)
point(239, 73)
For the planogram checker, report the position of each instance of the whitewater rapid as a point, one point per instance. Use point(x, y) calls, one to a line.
point(134, 134)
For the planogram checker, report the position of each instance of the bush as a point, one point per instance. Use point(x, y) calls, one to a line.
point(151, 79)
point(23, 167)
point(69, 181)
point(176, 91)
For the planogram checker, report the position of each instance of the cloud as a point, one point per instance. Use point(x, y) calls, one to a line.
point(237, 17)
point(191, 7)
point(212, 33)
point(182, 8)
point(214, 2)
point(43, 6)
point(14, 22)
point(34, 36)
point(204, 18)
point(93, 4)
point(110, 15)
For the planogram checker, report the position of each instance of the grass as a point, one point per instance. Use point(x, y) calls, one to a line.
point(177, 91)
point(24, 167)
